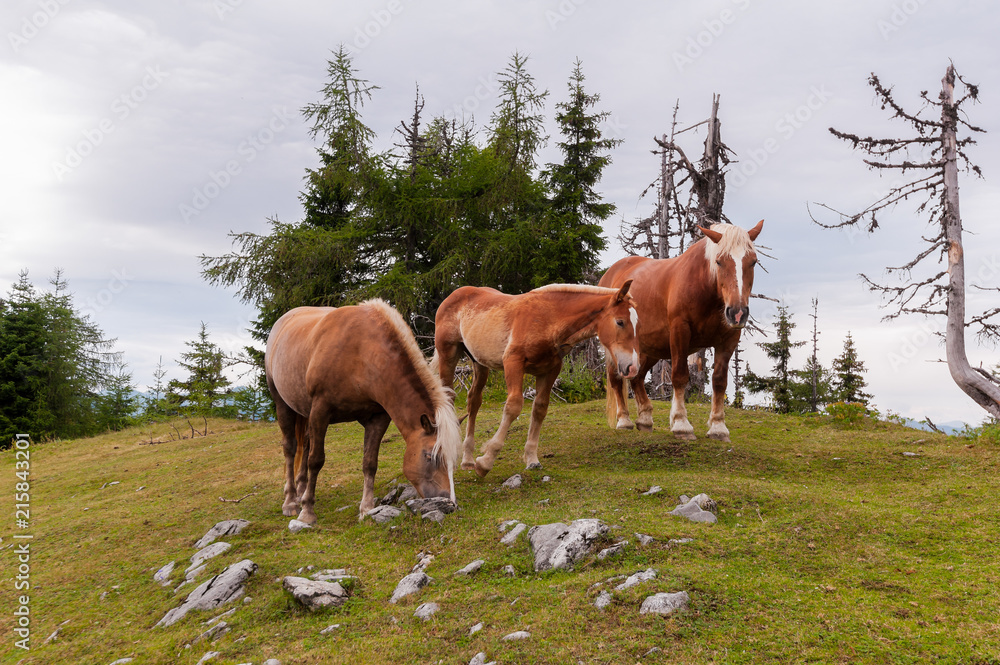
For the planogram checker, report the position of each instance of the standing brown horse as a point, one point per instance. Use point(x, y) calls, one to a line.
point(696, 300)
point(528, 333)
point(329, 365)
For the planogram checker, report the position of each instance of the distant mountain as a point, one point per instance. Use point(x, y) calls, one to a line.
point(951, 427)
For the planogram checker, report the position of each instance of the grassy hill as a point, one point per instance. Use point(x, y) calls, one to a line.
point(831, 546)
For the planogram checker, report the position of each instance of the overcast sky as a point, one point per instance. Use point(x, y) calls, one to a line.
point(136, 136)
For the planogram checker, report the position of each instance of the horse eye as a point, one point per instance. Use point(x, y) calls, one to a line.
point(619, 323)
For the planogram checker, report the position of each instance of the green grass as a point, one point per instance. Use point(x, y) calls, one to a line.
point(831, 546)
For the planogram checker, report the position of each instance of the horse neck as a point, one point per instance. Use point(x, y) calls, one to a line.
point(693, 266)
point(583, 324)
point(401, 392)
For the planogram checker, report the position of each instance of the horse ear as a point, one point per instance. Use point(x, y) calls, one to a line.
point(622, 292)
point(755, 231)
point(426, 423)
point(715, 236)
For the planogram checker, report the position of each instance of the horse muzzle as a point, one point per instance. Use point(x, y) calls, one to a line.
point(737, 317)
point(628, 366)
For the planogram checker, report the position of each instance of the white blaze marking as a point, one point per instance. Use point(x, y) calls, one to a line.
point(633, 316)
point(737, 256)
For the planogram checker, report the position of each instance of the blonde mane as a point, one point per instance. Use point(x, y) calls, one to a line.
point(577, 288)
point(449, 438)
point(735, 242)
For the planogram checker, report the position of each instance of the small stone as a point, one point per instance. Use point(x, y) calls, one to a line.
point(329, 629)
point(655, 489)
point(271, 661)
point(409, 585)
point(680, 541)
point(423, 560)
point(611, 551)
point(383, 514)
point(208, 656)
point(603, 600)
point(433, 516)
point(478, 659)
point(559, 546)
point(162, 576)
point(225, 587)
point(546, 479)
point(513, 534)
point(513, 482)
point(206, 553)
point(638, 578)
point(471, 568)
point(911, 455)
point(426, 611)
point(422, 506)
point(696, 509)
point(295, 526)
point(652, 651)
point(475, 629)
point(506, 525)
point(224, 528)
point(665, 603)
point(192, 574)
point(213, 633)
point(643, 538)
point(515, 636)
point(509, 571)
point(123, 661)
point(315, 595)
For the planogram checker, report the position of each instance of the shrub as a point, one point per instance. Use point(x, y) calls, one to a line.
point(849, 415)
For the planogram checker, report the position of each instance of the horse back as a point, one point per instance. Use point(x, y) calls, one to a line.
point(478, 318)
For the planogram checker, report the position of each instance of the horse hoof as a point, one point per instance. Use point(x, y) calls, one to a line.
point(290, 510)
point(533, 465)
point(469, 466)
point(643, 427)
point(628, 424)
point(481, 470)
point(685, 436)
point(719, 436)
point(308, 518)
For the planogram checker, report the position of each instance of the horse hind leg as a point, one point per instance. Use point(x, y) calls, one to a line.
point(313, 461)
point(290, 447)
point(301, 456)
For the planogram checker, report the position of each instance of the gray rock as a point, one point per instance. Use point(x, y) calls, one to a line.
point(271, 661)
point(512, 535)
point(655, 489)
point(603, 600)
point(208, 656)
point(696, 509)
point(611, 551)
point(509, 571)
point(409, 492)
point(515, 636)
point(472, 568)
point(383, 514)
point(475, 629)
point(409, 585)
point(206, 553)
point(665, 603)
point(638, 578)
point(423, 560)
point(546, 479)
point(162, 576)
point(224, 528)
point(295, 526)
point(315, 595)
point(426, 611)
point(507, 524)
point(225, 587)
point(123, 661)
point(433, 516)
point(339, 575)
point(559, 546)
point(213, 633)
point(680, 541)
point(192, 574)
point(513, 482)
point(329, 629)
point(221, 616)
point(643, 538)
point(480, 659)
point(422, 506)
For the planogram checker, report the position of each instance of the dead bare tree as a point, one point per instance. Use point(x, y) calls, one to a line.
point(941, 291)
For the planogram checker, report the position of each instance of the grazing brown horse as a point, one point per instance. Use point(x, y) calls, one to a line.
point(336, 364)
point(528, 333)
point(696, 300)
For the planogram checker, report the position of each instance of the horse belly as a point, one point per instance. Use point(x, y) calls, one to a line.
point(486, 340)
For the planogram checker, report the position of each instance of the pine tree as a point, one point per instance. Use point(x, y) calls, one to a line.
point(810, 387)
point(779, 384)
point(206, 388)
point(118, 404)
point(574, 228)
point(848, 379)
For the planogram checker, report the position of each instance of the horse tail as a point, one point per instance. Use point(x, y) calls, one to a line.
point(435, 364)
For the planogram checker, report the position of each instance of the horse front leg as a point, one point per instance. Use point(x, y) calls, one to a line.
point(475, 400)
point(318, 421)
point(289, 446)
point(720, 380)
point(679, 377)
point(375, 428)
point(644, 405)
point(514, 377)
point(616, 407)
point(539, 408)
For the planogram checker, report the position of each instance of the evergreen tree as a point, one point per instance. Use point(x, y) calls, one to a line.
point(118, 404)
point(779, 384)
point(810, 387)
point(574, 230)
point(848, 380)
point(206, 389)
point(23, 408)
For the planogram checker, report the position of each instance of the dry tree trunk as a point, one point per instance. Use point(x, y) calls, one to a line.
point(982, 391)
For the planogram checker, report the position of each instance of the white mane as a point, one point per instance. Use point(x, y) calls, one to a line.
point(735, 243)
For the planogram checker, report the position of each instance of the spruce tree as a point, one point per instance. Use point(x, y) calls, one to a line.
point(779, 384)
point(848, 380)
point(205, 390)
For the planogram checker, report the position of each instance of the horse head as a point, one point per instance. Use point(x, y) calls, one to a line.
point(431, 455)
point(731, 259)
point(616, 330)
